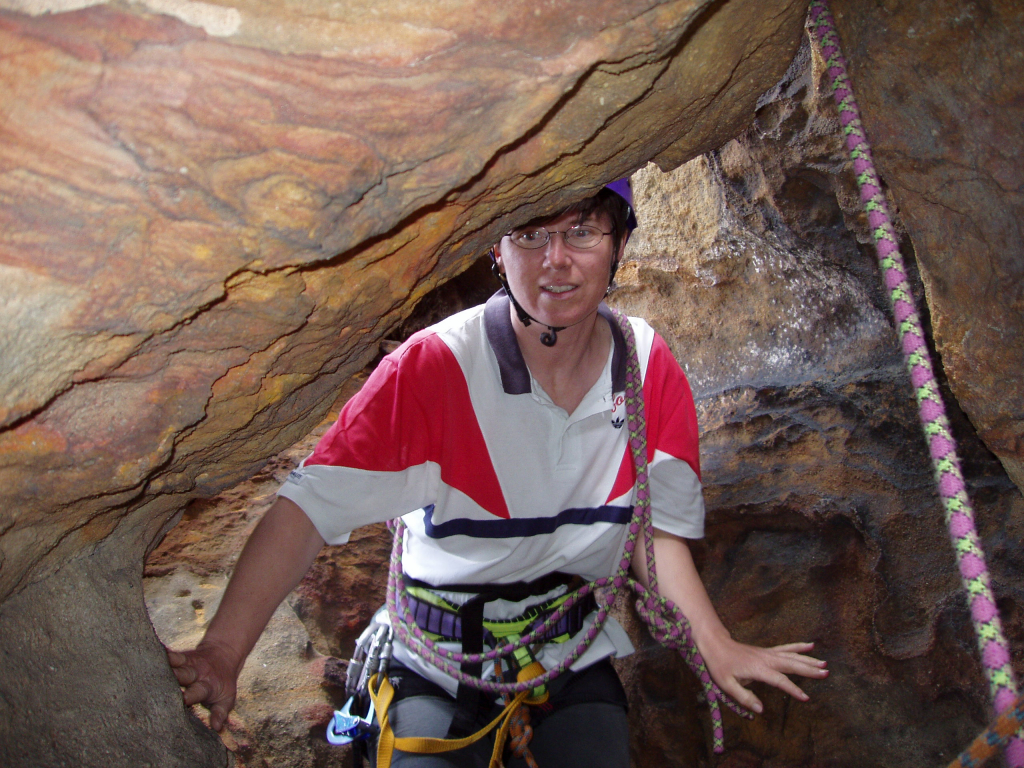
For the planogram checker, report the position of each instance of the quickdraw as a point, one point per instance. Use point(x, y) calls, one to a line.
point(372, 657)
point(344, 727)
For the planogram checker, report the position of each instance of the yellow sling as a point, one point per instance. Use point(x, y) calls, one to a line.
point(388, 742)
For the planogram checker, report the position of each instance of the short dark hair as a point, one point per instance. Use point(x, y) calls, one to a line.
point(605, 201)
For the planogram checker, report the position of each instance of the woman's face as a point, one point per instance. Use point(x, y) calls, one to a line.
point(557, 284)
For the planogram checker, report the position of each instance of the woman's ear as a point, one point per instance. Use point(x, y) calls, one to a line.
point(495, 269)
point(622, 248)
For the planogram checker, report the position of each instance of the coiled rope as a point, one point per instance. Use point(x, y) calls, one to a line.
point(665, 621)
point(992, 644)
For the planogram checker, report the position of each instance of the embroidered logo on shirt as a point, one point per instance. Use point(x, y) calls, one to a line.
point(296, 475)
point(617, 402)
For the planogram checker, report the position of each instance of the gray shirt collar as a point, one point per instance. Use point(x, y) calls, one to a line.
point(515, 376)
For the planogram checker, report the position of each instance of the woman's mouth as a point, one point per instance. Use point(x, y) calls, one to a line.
point(558, 288)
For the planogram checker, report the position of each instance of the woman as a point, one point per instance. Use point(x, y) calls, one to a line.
point(508, 441)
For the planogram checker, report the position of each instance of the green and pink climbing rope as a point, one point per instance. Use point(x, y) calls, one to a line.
point(992, 644)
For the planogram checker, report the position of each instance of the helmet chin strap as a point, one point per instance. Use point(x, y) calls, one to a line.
point(550, 337)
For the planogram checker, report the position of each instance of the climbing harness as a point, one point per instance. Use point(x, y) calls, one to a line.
point(383, 693)
point(444, 621)
point(992, 644)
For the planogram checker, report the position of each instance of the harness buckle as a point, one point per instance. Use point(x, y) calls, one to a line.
point(524, 666)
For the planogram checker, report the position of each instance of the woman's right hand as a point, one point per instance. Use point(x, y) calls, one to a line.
point(273, 562)
point(208, 675)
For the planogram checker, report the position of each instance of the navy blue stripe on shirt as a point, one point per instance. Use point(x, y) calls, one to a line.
point(500, 528)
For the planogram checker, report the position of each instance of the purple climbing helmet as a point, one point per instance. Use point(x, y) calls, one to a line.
point(621, 188)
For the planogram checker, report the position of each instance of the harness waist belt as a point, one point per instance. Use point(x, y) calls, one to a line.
point(446, 624)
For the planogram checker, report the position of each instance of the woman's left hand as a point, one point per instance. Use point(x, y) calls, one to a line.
point(733, 666)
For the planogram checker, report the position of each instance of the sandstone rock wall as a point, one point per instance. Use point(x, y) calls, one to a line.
point(823, 521)
point(946, 134)
point(203, 236)
point(211, 214)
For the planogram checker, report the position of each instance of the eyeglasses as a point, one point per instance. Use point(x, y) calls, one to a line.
point(582, 236)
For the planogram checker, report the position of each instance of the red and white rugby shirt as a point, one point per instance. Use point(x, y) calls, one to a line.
point(495, 482)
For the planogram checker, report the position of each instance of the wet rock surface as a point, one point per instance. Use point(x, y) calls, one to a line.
point(957, 174)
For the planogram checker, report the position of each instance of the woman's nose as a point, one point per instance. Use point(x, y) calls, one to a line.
point(556, 253)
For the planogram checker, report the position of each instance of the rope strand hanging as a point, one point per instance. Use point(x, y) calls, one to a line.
point(988, 743)
point(959, 513)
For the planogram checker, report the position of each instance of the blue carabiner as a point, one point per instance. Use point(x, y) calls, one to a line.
point(344, 727)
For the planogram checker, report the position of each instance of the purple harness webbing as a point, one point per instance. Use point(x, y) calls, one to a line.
point(992, 644)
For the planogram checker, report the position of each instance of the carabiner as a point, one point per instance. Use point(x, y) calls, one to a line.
point(344, 727)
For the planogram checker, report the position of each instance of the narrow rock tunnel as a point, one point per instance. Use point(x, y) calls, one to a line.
point(214, 223)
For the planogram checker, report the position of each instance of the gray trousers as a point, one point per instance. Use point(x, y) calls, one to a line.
point(583, 734)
